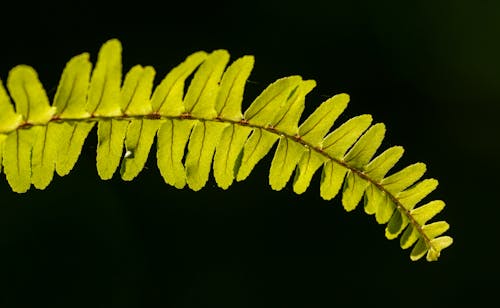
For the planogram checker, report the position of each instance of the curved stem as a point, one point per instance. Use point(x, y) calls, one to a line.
point(295, 138)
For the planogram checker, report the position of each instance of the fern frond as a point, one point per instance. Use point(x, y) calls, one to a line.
point(38, 139)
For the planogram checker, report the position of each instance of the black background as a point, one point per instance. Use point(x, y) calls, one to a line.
point(430, 70)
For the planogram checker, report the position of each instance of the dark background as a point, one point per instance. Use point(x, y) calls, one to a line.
point(430, 70)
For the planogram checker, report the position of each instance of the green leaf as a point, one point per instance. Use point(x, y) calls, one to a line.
point(104, 90)
point(72, 137)
point(172, 139)
point(426, 212)
point(110, 136)
point(2, 141)
point(287, 118)
point(138, 142)
point(167, 97)
point(377, 202)
point(228, 102)
point(263, 109)
point(418, 250)
point(70, 99)
point(373, 198)
point(353, 190)
point(201, 149)
point(335, 145)
point(308, 164)
point(227, 152)
point(403, 179)
point(202, 92)
point(385, 209)
point(17, 158)
point(332, 178)
point(435, 229)
point(359, 155)
point(136, 90)
point(285, 159)
point(9, 120)
point(396, 225)
point(341, 139)
point(409, 237)
point(321, 120)
point(433, 252)
point(410, 197)
point(256, 147)
point(437, 245)
point(441, 243)
point(43, 159)
point(28, 94)
point(381, 164)
point(365, 148)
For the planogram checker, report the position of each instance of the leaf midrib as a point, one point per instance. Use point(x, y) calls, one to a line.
point(243, 122)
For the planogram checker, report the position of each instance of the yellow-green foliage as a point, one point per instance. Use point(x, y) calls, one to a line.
point(37, 139)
